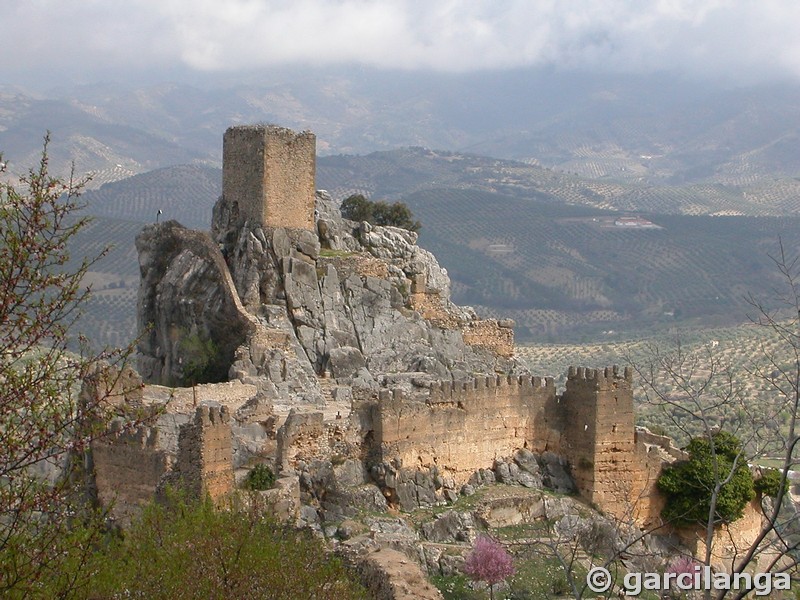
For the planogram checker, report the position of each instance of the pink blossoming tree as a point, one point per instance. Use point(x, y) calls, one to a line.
point(488, 561)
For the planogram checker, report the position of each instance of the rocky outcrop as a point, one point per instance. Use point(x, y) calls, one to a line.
point(251, 302)
point(190, 318)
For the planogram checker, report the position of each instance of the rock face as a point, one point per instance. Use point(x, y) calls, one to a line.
point(188, 315)
point(370, 311)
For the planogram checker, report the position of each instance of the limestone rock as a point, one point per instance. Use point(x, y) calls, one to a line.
point(451, 526)
point(188, 310)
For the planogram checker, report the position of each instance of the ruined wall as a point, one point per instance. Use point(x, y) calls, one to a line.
point(491, 334)
point(270, 173)
point(127, 468)
point(204, 463)
point(461, 427)
point(729, 539)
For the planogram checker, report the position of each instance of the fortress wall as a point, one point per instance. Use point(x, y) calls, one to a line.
point(489, 334)
point(205, 453)
point(270, 173)
point(127, 467)
point(461, 427)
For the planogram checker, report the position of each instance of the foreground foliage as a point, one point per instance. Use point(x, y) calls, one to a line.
point(192, 550)
point(46, 529)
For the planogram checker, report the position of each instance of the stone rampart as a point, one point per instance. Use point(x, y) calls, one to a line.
point(461, 427)
point(127, 468)
point(269, 172)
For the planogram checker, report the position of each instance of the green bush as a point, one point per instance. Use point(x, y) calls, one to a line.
point(688, 484)
point(769, 484)
point(397, 214)
point(192, 550)
point(259, 478)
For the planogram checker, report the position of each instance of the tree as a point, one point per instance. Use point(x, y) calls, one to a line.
point(700, 394)
point(46, 424)
point(688, 485)
point(489, 561)
point(358, 208)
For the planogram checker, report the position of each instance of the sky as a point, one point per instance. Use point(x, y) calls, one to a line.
point(747, 40)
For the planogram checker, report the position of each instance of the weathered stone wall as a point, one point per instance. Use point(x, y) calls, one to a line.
point(491, 334)
point(729, 540)
point(205, 454)
point(127, 468)
point(270, 173)
point(461, 427)
point(599, 434)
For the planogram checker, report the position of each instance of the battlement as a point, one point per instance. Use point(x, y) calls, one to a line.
point(206, 416)
point(580, 377)
point(269, 172)
point(449, 391)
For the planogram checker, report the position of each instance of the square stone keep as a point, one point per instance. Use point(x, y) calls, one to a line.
point(270, 172)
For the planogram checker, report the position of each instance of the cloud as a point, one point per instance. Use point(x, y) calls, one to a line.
point(729, 38)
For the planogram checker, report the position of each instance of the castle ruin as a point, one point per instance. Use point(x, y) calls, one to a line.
point(354, 355)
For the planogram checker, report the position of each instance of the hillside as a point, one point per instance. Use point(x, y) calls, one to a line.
point(518, 240)
point(572, 273)
point(184, 192)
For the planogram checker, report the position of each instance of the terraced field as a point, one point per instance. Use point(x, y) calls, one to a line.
point(109, 317)
point(742, 349)
point(185, 193)
point(573, 274)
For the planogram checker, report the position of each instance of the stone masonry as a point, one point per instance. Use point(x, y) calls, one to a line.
point(269, 172)
point(459, 428)
point(204, 464)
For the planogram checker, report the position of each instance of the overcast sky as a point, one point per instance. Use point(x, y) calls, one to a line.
point(735, 39)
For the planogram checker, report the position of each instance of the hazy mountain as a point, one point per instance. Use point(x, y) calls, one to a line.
point(655, 128)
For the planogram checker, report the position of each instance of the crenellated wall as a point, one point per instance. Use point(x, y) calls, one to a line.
point(599, 434)
point(459, 428)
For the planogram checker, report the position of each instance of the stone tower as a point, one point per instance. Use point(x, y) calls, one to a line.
point(269, 172)
point(205, 454)
point(599, 434)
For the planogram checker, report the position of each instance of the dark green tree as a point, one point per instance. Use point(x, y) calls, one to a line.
point(715, 478)
point(396, 214)
point(771, 483)
point(357, 208)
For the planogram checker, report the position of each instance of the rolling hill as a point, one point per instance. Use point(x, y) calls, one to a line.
point(518, 240)
point(636, 129)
